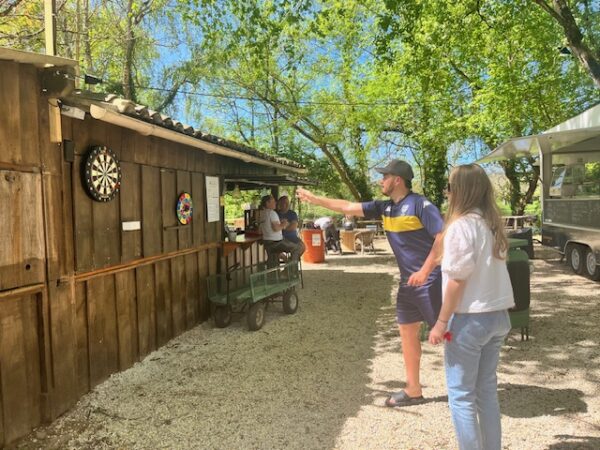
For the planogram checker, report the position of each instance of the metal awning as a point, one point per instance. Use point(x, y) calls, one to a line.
point(581, 131)
point(247, 182)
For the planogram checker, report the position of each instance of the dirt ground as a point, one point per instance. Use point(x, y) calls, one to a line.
point(318, 379)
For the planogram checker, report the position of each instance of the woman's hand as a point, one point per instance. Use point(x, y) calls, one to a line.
point(436, 335)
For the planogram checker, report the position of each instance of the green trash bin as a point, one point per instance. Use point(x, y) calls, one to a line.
point(517, 263)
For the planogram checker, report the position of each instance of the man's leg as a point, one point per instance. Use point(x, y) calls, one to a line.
point(411, 352)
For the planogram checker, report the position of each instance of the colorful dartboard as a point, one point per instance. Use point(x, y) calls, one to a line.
point(185, 208)
point(102, 174)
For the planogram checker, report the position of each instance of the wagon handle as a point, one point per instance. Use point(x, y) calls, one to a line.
point(229, 271)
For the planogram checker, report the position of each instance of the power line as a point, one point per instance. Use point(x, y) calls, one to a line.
point(290, 102)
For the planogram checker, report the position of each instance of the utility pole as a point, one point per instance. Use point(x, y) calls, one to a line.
point(50, 26)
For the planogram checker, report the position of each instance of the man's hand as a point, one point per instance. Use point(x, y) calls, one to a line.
point(418, 278)
point(436, 335)
point(305, 195)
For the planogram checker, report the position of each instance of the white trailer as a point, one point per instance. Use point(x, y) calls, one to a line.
point(569, 157)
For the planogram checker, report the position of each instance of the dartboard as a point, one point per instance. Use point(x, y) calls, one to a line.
point(102, 174)
point(185, 208)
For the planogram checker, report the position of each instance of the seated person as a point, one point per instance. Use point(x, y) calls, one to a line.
point(290, 232)
point(271, 227)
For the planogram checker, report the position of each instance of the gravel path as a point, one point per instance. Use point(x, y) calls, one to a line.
point(318, 379)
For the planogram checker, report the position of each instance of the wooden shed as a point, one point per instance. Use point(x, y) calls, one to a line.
point(96, 273)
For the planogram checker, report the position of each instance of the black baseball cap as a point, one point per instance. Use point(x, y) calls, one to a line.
point(399, 168)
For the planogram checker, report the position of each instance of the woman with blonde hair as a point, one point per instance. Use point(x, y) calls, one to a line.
point(474, 316)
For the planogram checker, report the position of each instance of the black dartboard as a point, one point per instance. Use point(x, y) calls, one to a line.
point(101, 174)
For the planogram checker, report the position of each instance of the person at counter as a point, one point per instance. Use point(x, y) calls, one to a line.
point(290, 232)
point(271, 227)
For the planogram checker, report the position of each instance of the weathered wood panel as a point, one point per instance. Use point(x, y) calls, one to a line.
point(106, 233)
point(178, 295)
point(102, 329)
point(170, 224)
point(10, 143)
point(20, 354)
point(164, 312)
point(63, 337)
point(199, 220)
point(127, 321)
point(146, 309)
point(129, 198)
point(83, 220)
point(22, 252)
point(192, 290)
point(28, 127)
point(151, 218)
point(203, 272)
point(82, 340)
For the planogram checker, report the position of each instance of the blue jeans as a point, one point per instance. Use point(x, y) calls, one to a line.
point(471, 359)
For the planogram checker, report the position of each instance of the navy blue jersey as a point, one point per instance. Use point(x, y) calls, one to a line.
point(410, 226)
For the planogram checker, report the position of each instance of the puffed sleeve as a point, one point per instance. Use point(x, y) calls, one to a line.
point(459, 257)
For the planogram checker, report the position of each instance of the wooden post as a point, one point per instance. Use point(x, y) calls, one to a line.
point(50, 26)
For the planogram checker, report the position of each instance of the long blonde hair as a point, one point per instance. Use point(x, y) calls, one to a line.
point(472, 189)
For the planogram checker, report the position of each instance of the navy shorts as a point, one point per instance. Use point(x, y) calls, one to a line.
point(419, 303)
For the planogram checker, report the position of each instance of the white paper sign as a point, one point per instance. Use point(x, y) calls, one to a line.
point(213, 208)
point(316, 240)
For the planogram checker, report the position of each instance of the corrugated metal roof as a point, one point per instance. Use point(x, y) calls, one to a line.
point(144, 113)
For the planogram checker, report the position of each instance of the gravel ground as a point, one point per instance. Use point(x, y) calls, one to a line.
point(318, 379)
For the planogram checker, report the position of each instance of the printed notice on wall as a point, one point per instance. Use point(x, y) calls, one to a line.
point(213, 208)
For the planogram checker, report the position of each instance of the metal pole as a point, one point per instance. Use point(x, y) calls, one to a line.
point(50, 26)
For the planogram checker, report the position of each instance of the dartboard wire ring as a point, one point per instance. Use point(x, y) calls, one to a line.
point(102, 174)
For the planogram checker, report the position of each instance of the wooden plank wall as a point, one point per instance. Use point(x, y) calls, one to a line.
point(126, 314)
point(80, 298)
point(24, 352)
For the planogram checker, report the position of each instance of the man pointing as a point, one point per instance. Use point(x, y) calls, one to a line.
point(412, 225)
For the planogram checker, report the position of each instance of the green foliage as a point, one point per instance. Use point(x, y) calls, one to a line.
point(336, 84)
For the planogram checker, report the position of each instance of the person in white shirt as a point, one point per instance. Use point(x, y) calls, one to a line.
point(272, 236)
point(474, 318)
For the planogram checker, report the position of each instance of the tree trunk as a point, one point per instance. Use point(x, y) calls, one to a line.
point(561, 12)
point(434, 173)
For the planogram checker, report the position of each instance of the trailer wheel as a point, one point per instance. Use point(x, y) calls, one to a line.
point(592, 269)
point(575, 257)
point(290, 301)
point(256, 316)
point(222, 316)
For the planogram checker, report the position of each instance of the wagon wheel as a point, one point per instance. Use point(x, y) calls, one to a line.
point(222, 316)
point(256, 316)
point(575, 257)
point(592, 269)
point(290, 301)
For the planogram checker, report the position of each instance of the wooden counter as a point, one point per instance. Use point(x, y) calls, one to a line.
point(242, 241)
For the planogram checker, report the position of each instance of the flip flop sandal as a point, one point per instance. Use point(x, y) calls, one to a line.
point(401, 398)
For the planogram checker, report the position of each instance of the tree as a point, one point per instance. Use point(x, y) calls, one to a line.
point(585, 48)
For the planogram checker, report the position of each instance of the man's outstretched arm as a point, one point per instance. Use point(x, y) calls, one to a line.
point(334, 204)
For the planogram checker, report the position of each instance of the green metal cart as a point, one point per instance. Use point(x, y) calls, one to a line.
point(250, 289)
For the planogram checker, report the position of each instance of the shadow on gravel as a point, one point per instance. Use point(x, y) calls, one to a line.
point(293, 384)
point(523, 401)
point(563, 326)
point(575, 443)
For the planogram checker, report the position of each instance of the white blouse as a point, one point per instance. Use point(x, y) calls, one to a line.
point(468, 255)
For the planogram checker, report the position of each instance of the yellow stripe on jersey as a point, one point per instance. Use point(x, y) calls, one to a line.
point(401, 223)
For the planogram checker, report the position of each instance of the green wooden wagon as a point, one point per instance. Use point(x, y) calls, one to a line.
point(250, 289)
